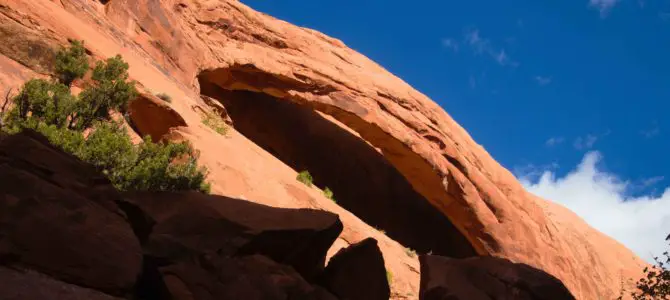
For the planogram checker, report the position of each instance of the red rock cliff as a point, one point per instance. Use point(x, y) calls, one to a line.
point(302, 100)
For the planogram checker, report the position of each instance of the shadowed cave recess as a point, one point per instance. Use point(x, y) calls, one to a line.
point(363, 180)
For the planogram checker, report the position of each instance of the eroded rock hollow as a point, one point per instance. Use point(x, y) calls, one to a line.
point(363, 181)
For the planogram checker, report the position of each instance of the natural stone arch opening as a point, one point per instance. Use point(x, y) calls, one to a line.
point(306, 137)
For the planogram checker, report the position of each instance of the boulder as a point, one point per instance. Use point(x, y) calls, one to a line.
point(486, 278)
point(357, 273)
point(189, 224)
point(59, 218)
point(253, 277)
point(31, 285)
point(152, 116)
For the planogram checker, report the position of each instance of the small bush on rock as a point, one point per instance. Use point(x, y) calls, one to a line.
point(305, 178)
point(83, 126)
point(328, 193)
point(165, 97)
point(411, 253)
point(215, 122)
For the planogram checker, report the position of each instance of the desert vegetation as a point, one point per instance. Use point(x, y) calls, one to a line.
point(84, 125)
point(306, 178)
point(215, 122)
point(328, 193)
point(165, 97)
point(655, 284)
point(410, 252)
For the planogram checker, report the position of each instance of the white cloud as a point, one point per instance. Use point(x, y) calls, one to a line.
point(502, 58)
point(541, 80)
point(478, 43)
point(450, 44)
point(641, 223)
point(533, 172)
point(482, 45)
point(651, 181)
point(554, 141)
point(650, 133)
point(585, 143)
point(603, 6)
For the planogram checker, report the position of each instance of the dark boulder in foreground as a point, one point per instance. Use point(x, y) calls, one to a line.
point(486, 278)
point(190, 223)
point(66, 233)
point(58, 217)
point(358, 273)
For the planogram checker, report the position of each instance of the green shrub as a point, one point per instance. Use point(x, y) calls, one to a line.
point(156, 168)
point(148, 166)
point(50, 108)
point(329, 194)
point(655, 284)
point(50, 102)
point(111, 92)
point(71, 63)
point(215, 122)
point(165, 97)
point(305, 178)
point(411, 253)
point(389, 277)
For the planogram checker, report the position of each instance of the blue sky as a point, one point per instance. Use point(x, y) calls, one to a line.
point(569, 90)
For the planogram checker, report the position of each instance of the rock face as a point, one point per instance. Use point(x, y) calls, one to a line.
point(486, 278)
point(449, 189)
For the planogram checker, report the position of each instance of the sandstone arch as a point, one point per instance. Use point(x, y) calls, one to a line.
point(373, 175)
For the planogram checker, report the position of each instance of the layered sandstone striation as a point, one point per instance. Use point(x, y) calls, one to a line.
point(394, 158)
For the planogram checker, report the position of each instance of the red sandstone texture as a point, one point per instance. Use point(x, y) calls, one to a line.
point(456, 199)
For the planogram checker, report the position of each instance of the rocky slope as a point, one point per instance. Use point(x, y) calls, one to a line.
point(402, 170)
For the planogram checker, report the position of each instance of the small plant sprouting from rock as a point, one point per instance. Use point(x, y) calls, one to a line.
point(328, 193)
point(215, 122)
point(165, 97)
point(389, 277)
point(305, 178)
point(411, 253)
point(48, 107)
